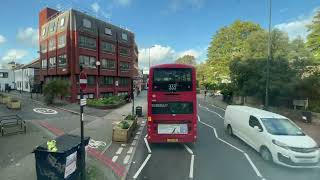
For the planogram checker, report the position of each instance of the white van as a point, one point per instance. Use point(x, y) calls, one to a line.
point(275, 137)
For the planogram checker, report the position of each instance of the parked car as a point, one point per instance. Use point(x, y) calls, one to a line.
point(275, 137)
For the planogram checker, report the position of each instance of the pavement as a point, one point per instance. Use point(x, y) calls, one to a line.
point(17, 162)
point(215, 155)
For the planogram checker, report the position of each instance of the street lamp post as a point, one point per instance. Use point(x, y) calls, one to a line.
point(97, 80)
point(268, 61)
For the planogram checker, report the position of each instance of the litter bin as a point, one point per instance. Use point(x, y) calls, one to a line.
point(307, 116)
point(62, 164)
point(139, 111)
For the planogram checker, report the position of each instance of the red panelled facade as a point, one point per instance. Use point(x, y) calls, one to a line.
point(107, 53)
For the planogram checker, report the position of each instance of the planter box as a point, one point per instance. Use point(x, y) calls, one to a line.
point(6, 99)
point(123, 135)
point(135, 122)
point(14, 104)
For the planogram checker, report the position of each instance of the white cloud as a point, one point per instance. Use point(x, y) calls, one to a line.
point(95, 7)
point(297, 27)
point(122, 2)
point(12, 54)
point(165, 54)
point(28, 36)
point(2, 39)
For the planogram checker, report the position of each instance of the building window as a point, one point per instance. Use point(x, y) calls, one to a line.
point(43, 47)
point(124, 66)
point(52, 44)
point(106, 80)
point(52, 26)
point(44, 31)
point(108, 47)
point(107, 31)
point(62, 60)
point(44, 63)
point(87, 42)
point(4, 75)
point(52, 62)
point(124, 36)
point(108, 64)
point(123, 81)
point(62, 41)
point(86, 23)
point(91, 80)
point(62, 22)
point(124, 51)
point(106, 94)
point(87, 61)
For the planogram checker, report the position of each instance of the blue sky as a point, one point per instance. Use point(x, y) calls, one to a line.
point(171, 28)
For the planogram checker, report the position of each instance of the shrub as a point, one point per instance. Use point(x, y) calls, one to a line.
point(124, 124)
point(130, 117)
point(55, 88)
point(112, 100)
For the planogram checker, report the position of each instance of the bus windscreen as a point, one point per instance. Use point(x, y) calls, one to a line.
point(172, 108)
point(172, 79)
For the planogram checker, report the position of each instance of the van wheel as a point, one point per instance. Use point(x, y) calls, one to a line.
point(266, 154)
point(229, 130)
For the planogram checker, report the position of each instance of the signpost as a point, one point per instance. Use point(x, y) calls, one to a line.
point(83, 102)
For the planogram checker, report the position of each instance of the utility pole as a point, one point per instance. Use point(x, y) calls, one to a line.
point(268, 61)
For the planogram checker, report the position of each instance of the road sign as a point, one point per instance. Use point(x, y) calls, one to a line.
point(83, 81)
point(83, 102)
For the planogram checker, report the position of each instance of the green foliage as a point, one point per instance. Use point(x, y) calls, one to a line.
point(130, 117)
point(313, 39)
point(112, 100)
point(124, 124)
point(186, 59)
point(55, 88)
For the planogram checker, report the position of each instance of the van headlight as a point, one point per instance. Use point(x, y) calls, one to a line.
point(280, 144)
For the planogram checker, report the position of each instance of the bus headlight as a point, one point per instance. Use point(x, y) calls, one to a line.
point(149, 119)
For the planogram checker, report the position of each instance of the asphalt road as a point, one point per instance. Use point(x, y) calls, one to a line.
point(217, 156)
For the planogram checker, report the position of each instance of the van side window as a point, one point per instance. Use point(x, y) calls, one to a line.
point(253, 121)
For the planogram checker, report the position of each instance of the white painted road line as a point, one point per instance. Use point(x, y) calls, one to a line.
point(140, 129)
point(253, 166)
point(188, 149)
point(126, 159)
point(218, 107)
point(136, 137)
point(107, 147)
point(130, 150)
point(123, 145)
point(142, 166)
point(191, 166)
point(147, 144)
point(138, 132)
point(211, 111)
point(119, 151)
point(244, 153)
point(134, 142)
point(114, 158)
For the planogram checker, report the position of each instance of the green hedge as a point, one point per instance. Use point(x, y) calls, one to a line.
point(112, 100)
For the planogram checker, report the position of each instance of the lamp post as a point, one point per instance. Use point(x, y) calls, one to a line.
point(97, 80)
point(268, 61)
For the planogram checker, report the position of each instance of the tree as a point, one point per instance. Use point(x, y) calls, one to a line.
point(55, 88)
point(186, 59)
point(313, 39)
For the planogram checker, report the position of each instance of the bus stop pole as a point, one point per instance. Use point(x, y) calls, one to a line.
point(132, 95)
point(82, 150)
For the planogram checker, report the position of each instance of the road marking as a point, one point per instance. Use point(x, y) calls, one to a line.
point(140, 129)
point(130, 150)
point(123, 145)
point(138, 132)
point(146, 135)
point(119, 151)
point(191, 166)
point(134, 142)
point(142, 166)
point(244, 153)
point(126, 159)
point(114, 158)
point(253, 166)
point(107, 147)
point(147, 144)
point(218, 107)
point(188, 149)
point(211, 111)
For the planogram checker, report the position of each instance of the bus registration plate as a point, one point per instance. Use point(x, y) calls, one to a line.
point(172, 129)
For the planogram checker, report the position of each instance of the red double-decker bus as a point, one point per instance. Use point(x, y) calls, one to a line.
point(172, 104)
